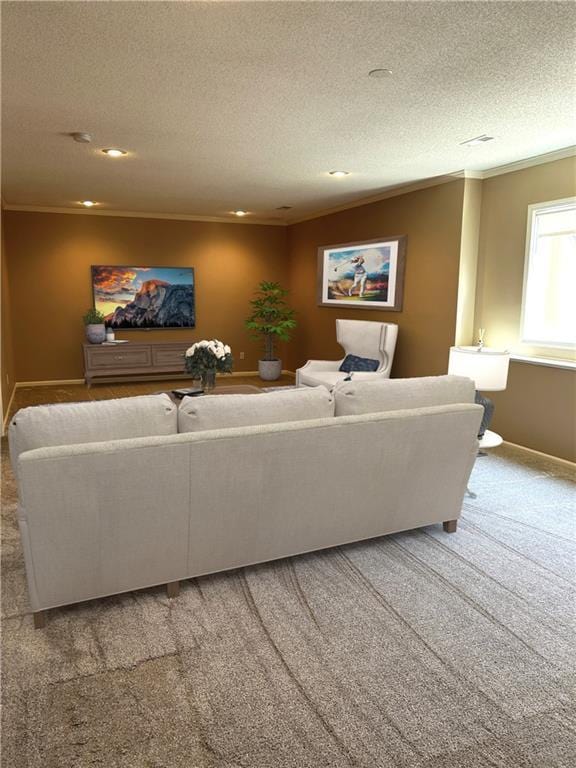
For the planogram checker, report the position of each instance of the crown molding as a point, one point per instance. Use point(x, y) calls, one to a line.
point(142, 215)
point(394, 191)
point(519, 165)
point(469, 175)
point(433, 181)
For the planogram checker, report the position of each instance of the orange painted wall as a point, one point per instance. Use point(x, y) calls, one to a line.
point(432, 219)
point(49, 258)
point(7, 354)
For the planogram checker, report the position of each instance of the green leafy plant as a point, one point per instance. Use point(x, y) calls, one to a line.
point(93, 317)
point(271, 319)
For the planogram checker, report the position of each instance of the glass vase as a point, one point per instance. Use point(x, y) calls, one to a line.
point(208, 380)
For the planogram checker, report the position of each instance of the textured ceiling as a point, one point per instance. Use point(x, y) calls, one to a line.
point(248, 105)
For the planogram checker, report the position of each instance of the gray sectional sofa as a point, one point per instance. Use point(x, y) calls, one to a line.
point(126, 494)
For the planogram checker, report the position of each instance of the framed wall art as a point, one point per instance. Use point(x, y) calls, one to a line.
point(363, 275)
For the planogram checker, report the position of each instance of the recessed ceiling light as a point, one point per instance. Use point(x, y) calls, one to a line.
point(240, 213)
point(89, 203)
point(476, 141)
point(379, 73)
point(339, 174)
point(114, 152)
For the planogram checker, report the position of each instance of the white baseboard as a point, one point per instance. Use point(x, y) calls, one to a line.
point(548, 456)
point(49, 383)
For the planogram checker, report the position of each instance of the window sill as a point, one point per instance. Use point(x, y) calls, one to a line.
point(550, 362)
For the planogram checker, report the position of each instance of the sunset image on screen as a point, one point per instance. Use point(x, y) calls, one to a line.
point(145, 297)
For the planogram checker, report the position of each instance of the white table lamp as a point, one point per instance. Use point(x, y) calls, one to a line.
point(488, 369)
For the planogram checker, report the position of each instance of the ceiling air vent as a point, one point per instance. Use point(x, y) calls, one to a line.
point(476, 141)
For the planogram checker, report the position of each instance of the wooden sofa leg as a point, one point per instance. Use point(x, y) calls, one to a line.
point(450, 526)
point(173, 589)
point(39, 619)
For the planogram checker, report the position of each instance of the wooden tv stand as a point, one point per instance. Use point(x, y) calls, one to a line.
point(135, 361)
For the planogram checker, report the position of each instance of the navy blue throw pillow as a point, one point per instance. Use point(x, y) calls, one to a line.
point(354, 363)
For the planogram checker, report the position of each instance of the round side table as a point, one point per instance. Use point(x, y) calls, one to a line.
point(491, 440)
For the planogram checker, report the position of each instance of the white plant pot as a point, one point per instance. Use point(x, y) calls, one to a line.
point(96, 333)
point(270, 370)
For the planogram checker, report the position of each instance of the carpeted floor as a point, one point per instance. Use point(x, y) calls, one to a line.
point(422, 649)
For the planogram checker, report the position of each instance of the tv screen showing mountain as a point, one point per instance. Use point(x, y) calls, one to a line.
point(145, 297)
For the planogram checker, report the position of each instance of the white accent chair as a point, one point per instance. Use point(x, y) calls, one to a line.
point(363, 338)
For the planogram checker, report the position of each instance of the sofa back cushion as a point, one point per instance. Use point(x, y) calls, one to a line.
point(222, 411)
point(42, 426)
point(353, 398)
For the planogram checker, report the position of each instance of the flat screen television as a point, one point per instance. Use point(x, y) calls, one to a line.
point(144, 297)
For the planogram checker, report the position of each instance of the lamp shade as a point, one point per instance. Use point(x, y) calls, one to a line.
point(488, 368)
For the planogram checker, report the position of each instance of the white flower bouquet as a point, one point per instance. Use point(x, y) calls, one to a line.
point(208, 356)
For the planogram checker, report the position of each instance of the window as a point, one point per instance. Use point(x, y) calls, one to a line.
point(549, 300)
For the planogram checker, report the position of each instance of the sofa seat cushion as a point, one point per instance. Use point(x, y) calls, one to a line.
point(196, 414)
point(42, 426)
point(356, 397)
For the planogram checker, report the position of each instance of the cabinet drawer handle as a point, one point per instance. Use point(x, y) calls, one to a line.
point(118, 357)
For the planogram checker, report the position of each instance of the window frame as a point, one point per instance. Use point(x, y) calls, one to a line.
point(533, 209)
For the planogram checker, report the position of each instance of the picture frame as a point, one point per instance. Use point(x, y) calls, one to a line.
point(366, 274)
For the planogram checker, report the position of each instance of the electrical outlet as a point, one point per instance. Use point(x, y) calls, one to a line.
point(242, 355)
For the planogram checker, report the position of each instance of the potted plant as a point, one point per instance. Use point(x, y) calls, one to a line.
point(207, 357)
point(95, 328)
point(271, 320)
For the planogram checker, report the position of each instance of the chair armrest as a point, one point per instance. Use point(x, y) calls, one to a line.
point(321, 365)
point(318, 365)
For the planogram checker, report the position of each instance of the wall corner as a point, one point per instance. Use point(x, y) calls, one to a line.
point(468, 265)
